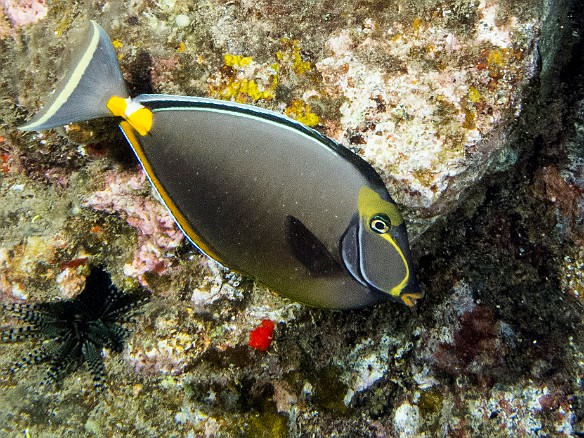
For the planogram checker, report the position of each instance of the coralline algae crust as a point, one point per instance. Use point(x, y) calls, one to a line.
point(424, 123)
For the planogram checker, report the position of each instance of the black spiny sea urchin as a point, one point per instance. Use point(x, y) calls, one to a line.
point(75, 331)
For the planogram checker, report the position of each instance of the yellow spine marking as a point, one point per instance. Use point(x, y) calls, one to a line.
point(141, 120)
point(137, 115)
point(117, 105)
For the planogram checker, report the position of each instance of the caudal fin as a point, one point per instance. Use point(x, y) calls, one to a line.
point(83, 94)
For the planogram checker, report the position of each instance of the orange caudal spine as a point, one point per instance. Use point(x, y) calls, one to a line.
point(137, 115)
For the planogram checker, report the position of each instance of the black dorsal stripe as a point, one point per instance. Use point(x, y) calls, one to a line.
point(162, 102)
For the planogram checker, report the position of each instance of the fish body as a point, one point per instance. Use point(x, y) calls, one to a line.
point(260, 193)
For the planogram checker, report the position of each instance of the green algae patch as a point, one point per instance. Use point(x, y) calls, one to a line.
point(330, 391)
point(430, 402)
point(267, 424)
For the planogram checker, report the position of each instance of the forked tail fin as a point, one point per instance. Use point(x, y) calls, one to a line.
point(83, 94)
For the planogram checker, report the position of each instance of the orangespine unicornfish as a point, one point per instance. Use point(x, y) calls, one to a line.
point(260, 193)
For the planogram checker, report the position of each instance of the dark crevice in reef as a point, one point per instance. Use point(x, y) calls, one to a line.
point(506, 244)
point(510, 247)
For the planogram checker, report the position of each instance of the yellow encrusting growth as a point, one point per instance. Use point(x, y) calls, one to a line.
point(500, 62)
point(497, 57)
point(293, 56)
point(417, 24)
point(117, 44)
point(237, 60)
point(233, 82)
point(244, 90)
point(474, 95)
point(301, 111)
point(243, 80)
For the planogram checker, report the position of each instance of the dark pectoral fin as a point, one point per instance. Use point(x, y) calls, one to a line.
point(308, 249)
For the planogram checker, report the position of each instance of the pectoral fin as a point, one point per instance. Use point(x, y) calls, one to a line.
point(308, 249)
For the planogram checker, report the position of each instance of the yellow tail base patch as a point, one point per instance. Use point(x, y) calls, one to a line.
point(138, 116)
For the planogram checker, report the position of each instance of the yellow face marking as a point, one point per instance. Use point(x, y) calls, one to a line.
point(168, 202)
point(370, 204)
point(395, 291)
point(137, 115)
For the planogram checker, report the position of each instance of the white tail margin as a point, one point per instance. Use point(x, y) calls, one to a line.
point(83, 94)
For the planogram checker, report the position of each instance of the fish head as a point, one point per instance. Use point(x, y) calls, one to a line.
point(375, 249)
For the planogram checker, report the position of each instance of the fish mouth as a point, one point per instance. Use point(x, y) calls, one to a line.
point(410, 299)
point(411, 293)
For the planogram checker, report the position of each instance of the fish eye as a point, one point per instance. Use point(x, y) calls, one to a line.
point(380, 224)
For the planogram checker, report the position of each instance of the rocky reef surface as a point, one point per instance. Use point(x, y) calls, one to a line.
point(472, 112)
